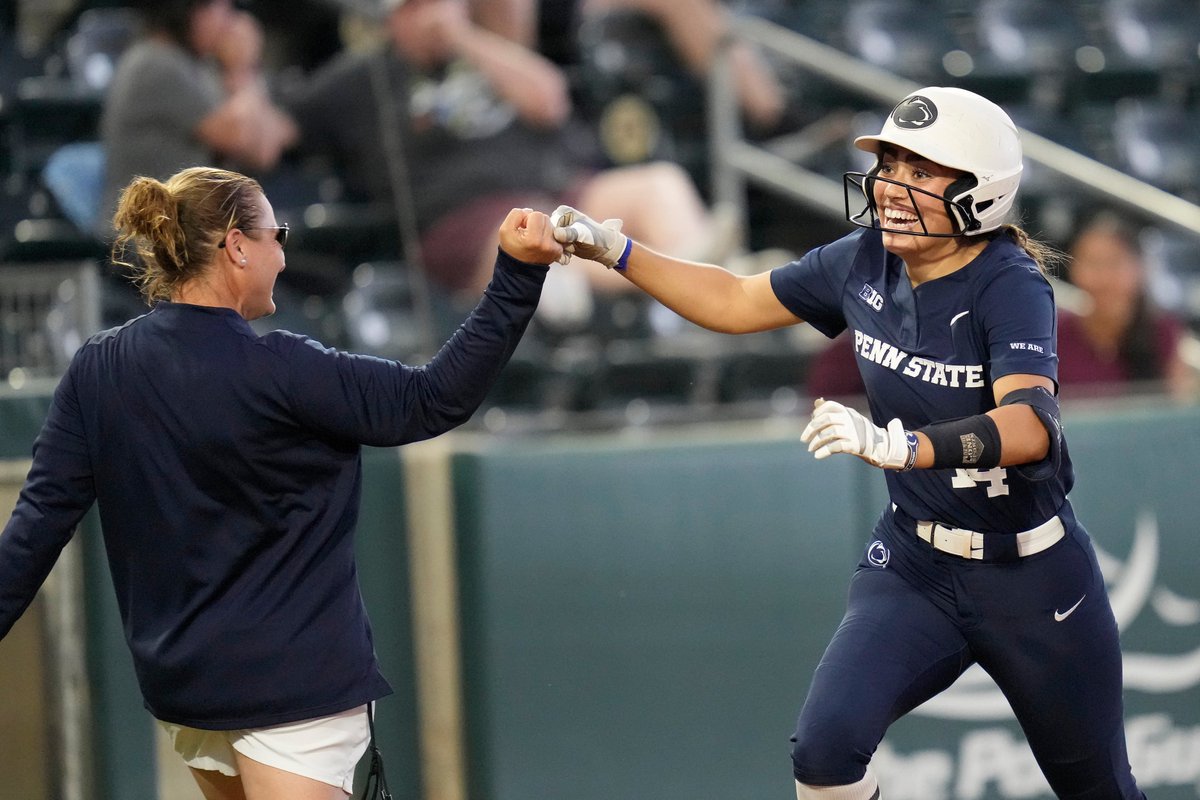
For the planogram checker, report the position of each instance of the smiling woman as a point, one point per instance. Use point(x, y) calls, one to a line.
point(916, 187)
point(227, 470)
point(179, 260)
point(909, 206)
point(954, 329)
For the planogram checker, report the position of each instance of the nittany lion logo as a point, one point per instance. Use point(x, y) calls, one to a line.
point(914, 113)
point(878, 555)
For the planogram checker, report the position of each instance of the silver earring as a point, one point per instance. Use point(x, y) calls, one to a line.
point(243, 261)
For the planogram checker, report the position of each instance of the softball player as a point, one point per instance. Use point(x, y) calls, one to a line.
point(978, 557)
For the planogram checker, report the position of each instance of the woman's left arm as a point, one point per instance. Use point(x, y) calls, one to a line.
point(1023, 437)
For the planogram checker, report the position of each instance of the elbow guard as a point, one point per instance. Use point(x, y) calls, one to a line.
point(1045, 405)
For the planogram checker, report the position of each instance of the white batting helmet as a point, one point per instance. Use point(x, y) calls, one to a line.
point(963, 131)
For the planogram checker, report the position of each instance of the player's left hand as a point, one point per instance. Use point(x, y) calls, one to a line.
point(837, 429)
point(528, 236)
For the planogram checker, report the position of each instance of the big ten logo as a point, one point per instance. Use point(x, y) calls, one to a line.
point(871, 297)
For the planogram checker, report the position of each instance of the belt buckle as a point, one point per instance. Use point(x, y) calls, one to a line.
point(949, 540)
point(957, 542)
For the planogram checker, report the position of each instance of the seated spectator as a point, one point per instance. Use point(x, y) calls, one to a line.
point(695, 29)
point(458, 121)
point(515, 20)
point(1117, 342)
point(190, 92)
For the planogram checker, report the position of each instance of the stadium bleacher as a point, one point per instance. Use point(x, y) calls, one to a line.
point(1116, 80)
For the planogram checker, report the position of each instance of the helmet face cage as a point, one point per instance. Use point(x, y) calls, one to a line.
point(868, 217)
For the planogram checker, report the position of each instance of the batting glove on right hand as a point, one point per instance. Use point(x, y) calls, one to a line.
point(581, 235)
point(837, 429)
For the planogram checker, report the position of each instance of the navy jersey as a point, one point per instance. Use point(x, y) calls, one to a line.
point(227, 470)
point(931, 353)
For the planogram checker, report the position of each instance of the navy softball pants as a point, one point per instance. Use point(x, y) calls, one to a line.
point(917, 617)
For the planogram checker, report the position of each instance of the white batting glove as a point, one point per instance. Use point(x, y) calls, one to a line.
point(837, 429)
point(581, 235)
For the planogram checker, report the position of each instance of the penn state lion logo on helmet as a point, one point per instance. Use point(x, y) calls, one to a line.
point(914, 112)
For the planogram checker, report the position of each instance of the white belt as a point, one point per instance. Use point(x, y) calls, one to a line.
point(969, 544)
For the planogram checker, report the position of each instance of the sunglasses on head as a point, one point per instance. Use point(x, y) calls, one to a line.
point(281, 233)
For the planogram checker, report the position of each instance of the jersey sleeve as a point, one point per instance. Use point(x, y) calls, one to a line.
point(57, 493)
point(383, 403)
point(1019, 321)
point(812, 287)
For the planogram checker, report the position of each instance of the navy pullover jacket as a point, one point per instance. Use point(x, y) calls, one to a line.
point(227, 471)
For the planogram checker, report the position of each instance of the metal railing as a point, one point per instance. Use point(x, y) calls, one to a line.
point(736, 162)
point(47, 310)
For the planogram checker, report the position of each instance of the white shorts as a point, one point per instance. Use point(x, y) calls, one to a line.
point(326, 749)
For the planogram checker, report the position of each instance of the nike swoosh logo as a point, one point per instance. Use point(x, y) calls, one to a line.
point(1059, 616)
point(957, 317)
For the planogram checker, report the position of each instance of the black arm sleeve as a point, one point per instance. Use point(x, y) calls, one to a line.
point(1045, 405)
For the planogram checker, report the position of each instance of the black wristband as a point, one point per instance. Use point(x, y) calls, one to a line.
point(970, 442)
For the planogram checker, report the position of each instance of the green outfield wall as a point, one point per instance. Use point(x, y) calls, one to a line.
point(636, 615)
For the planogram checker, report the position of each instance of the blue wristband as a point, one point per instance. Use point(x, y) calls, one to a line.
point(910, 439)
point(623, 261)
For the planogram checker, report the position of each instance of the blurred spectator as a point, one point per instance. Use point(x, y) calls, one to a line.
point(303, 34)
point(833, 373)
point(190, 92)
point(1117, 341)
point(696, 29)
point(458, 121)
point(515, 20)
point(693, 29)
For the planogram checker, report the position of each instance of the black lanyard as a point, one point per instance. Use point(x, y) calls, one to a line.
point(376, 787)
